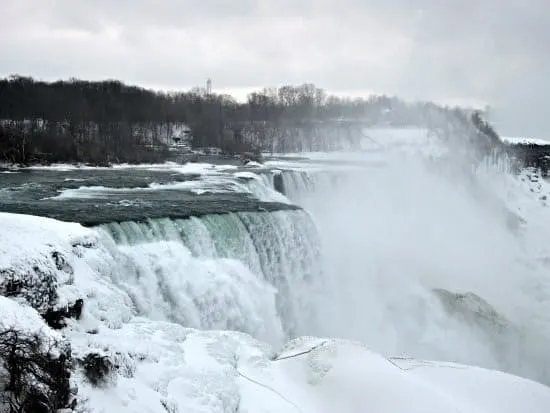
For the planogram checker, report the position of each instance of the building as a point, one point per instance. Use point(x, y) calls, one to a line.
point(181, 138)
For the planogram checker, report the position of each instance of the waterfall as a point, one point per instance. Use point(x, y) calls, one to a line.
point(301, 184)
point(240, 271)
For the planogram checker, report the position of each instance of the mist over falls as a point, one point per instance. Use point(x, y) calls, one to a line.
point(406, 258)
point(417, 263)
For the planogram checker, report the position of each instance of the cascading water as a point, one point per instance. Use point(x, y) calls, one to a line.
point(410, 259)
point(300, 183)
point(245, 271)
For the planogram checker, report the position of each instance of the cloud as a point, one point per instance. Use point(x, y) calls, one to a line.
point(492, 51)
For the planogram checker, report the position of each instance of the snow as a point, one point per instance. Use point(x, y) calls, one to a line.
point(166, 367)
point(246, 175)
point(524, 141)
point(223, 371)
point(191, 168)
point(28, 239)
point(23, 318)
point(253, 164)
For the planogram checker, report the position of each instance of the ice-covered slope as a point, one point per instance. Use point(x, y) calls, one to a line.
point(164, 367)
point(191, 371)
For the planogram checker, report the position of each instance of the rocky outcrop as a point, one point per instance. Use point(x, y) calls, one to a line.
point(247, 157)
point(57, 319)
point(473, 309)
point(97, 368)
point(529, 155)
point(278, 183)
point(37, 286)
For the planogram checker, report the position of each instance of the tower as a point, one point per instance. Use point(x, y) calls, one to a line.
point(208, 87)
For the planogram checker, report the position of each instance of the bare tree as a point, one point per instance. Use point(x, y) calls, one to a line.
point(34, 373)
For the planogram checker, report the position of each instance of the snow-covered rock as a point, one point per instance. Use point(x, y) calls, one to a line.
point(24, 319)
point(514, 140)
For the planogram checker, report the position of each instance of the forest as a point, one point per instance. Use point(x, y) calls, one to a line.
point(105, 122)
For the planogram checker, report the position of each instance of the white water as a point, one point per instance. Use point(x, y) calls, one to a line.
point(259, 186)
point(250, 272)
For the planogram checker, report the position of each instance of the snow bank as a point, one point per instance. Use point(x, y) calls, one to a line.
point(35, 259)
point(524, 141)
point(188, 168)
point(193, 371)
point(164, 367)
point(57, 263)
point(26, 237)
point(24, 319)
point(344, 376)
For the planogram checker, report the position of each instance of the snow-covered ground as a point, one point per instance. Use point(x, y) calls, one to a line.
point(524, 141)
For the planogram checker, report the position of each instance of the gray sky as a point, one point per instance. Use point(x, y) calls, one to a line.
point(486, 51)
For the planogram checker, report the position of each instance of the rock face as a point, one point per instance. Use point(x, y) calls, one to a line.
point(473, 309)
point(57, 319)
point(97, 368)
point(531, 156)
point(278, 183)
point(505, 339)
point(35, 360)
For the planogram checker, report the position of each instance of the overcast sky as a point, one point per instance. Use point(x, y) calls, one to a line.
point(478, 51)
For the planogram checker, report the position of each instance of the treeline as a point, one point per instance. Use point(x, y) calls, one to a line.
point(108, 121)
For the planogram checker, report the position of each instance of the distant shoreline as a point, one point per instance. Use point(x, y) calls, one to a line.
point(192, 158)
